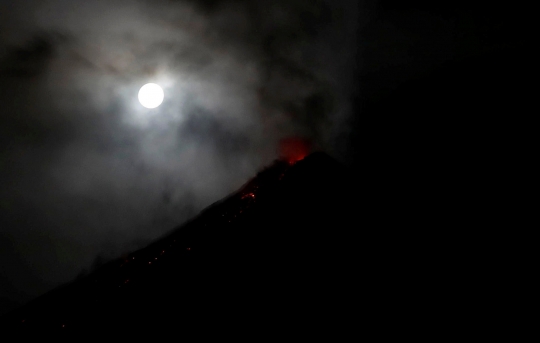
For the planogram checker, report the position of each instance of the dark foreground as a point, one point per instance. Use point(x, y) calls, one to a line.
point(279, 256)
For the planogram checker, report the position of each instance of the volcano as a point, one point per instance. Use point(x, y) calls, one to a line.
point(275, 256)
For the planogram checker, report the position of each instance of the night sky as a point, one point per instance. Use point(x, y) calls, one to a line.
point(88, 174)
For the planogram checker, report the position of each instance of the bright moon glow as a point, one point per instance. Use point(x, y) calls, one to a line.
point(151, 95)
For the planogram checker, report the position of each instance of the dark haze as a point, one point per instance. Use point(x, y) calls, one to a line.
point(88, 174)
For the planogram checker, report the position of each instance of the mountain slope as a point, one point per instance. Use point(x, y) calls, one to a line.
point(276, 255)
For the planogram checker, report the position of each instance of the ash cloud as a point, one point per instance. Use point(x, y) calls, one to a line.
point(88, 172)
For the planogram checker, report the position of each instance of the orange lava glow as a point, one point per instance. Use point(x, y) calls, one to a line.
point(249, 195)
point(294, 149)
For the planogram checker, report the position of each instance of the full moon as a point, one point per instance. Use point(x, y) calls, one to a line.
point(151, 95)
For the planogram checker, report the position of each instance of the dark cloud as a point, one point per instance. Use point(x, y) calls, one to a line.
point(214, 134)
point(31, 59)
point(88, 172)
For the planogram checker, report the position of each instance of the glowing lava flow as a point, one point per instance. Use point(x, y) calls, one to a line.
point(249, 195)
point(294, 149)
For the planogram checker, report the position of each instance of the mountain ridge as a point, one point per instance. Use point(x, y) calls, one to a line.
point(244, 246)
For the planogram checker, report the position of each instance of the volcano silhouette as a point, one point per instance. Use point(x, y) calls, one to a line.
point(277, 255)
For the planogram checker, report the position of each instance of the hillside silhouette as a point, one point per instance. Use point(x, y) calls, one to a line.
point(277, 255)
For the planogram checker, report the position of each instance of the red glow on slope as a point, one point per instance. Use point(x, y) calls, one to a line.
point(294, 149)
point(249, 195)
